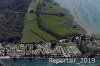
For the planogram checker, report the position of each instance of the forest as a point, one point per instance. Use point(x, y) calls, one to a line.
point(12, 13)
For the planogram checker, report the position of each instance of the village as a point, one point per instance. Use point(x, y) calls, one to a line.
point(45, 49)
point(62, 48)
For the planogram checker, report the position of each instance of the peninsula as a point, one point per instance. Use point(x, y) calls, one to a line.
point(48, 31)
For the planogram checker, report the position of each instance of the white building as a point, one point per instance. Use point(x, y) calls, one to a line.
point(37, 0)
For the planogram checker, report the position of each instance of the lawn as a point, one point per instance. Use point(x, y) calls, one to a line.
point(60, 25)
point(55, 24)
point(30, 27)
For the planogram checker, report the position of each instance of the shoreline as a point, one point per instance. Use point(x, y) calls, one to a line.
point(67, 14)
point(82, 15)
point(37, 58)
point(74, 21)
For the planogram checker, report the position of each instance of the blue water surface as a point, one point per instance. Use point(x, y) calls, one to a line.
point(45, 62)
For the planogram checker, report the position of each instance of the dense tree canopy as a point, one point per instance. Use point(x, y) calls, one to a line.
point(12, 13)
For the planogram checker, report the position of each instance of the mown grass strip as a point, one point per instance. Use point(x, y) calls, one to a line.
point(31, 24)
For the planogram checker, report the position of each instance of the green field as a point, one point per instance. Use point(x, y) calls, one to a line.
point(60, 25)
point(31, 24)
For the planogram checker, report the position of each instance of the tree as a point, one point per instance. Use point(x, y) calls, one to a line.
point(34, 47)
point(53, 44)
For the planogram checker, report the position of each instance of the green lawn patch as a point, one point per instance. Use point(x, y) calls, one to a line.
point(61, 25)
point(31, 25)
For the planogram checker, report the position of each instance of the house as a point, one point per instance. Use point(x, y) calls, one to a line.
point(62, 40)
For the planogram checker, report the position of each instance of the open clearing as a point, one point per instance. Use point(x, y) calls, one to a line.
point(31, 24)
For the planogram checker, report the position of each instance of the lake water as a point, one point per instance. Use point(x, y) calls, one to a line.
point(27, 62)
point(85, 12)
